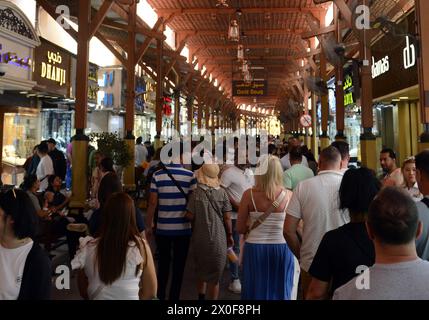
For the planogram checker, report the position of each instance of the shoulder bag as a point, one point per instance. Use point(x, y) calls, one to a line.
point(163, 166)
point(276, 203)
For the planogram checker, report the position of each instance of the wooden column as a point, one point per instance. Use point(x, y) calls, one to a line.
point(207, 116)
point(177, 111)
point(80, 141)
point(367, 139)
point(129, 171)
point(159, 86)
point(339, 84)
point(422, 8)
point(190, 114)
point(324, 138)
point(315, 134)
point(200, 115)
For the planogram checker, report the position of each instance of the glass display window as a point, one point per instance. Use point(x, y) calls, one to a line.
point(20, 135)
point(58, 124)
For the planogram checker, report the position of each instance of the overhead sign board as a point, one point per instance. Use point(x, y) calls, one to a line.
point(252, 89)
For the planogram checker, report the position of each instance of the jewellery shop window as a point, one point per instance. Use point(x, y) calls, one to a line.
point(20, 136)
point(57, 124)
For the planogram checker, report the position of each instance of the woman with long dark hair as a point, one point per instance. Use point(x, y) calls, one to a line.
point(118, 260)
point(25, 268)
point(343, 250)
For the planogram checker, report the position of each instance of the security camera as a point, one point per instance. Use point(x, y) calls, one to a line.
point(4, 67)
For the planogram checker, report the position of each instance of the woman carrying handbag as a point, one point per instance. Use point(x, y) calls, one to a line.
point(270, 270)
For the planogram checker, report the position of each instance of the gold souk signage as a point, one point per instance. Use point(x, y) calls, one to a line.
point(52, 68)
point(252, 89)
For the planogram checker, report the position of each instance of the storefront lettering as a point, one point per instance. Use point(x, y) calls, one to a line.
point(348, 82)
point(380, 67)
point(348, 99)
point(92, 92)
point(409, 54)
point(52, 72)
point(13, 59)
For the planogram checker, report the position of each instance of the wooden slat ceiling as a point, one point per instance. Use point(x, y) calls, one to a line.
point(272, 36)
point(271, 30)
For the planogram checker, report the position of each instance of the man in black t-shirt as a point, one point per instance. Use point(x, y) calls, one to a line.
point(58, 159)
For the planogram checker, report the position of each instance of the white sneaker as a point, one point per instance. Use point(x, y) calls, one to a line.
point(235, 286)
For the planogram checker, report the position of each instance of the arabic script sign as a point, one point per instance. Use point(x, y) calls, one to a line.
point(52, 68)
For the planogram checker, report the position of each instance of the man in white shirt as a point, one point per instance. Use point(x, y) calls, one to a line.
point(315, 201)
point(344, 149)
point(140, 152)
point(235, 179)
point(45, 167)
point(285, 161)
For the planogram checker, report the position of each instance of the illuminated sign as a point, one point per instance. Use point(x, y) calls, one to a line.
point(348, 90)
point(51, 69)
point(380, 67)
point(243, 89)
point(409, 54)
point(13, 59)
point(93, 87)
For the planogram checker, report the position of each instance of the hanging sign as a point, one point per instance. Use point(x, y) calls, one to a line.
point(305, 120)
point(93, 87)
point(166, 108)
point(252, 89)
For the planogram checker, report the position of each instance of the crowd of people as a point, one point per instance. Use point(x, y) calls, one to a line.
point(299, 229)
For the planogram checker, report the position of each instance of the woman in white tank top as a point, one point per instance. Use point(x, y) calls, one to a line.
point(270, 270)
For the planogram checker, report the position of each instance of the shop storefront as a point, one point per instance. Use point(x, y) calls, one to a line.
point(19, 116)
point(352, 111)
point(52, 72)
point(395, 91)
point(105, 113)
point(145, 118)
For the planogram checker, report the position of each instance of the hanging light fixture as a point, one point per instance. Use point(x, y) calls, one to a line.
point(234, 31)
point(245, 67)
point(240, 52)
point(222, 4)
point(247, 77)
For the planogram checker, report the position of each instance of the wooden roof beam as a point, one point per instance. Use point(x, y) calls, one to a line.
point(230, 11)
point(248, 32)
point(97, 20)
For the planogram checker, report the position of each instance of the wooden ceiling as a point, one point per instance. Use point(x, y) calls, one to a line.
point(271, 36)
point(275, 37)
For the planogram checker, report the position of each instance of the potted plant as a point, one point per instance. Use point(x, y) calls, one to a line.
point(112, 146)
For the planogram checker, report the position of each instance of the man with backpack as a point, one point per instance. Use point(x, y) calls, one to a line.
point(169, 193)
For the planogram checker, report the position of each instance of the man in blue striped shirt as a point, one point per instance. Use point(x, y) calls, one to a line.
point(173, 230)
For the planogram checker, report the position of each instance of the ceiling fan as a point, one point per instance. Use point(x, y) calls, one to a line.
point(222, 4)
point(317, 85)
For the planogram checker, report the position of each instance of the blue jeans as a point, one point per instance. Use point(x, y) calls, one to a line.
point(68, 177)
point(233, 267)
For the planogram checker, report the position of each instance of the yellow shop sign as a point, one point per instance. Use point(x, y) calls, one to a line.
point(52, 71)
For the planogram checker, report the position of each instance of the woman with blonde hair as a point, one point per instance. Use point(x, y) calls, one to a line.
point(410, 182)
point(270, 270)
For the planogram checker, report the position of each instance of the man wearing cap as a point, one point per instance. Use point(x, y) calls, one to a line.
point(58, 159)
